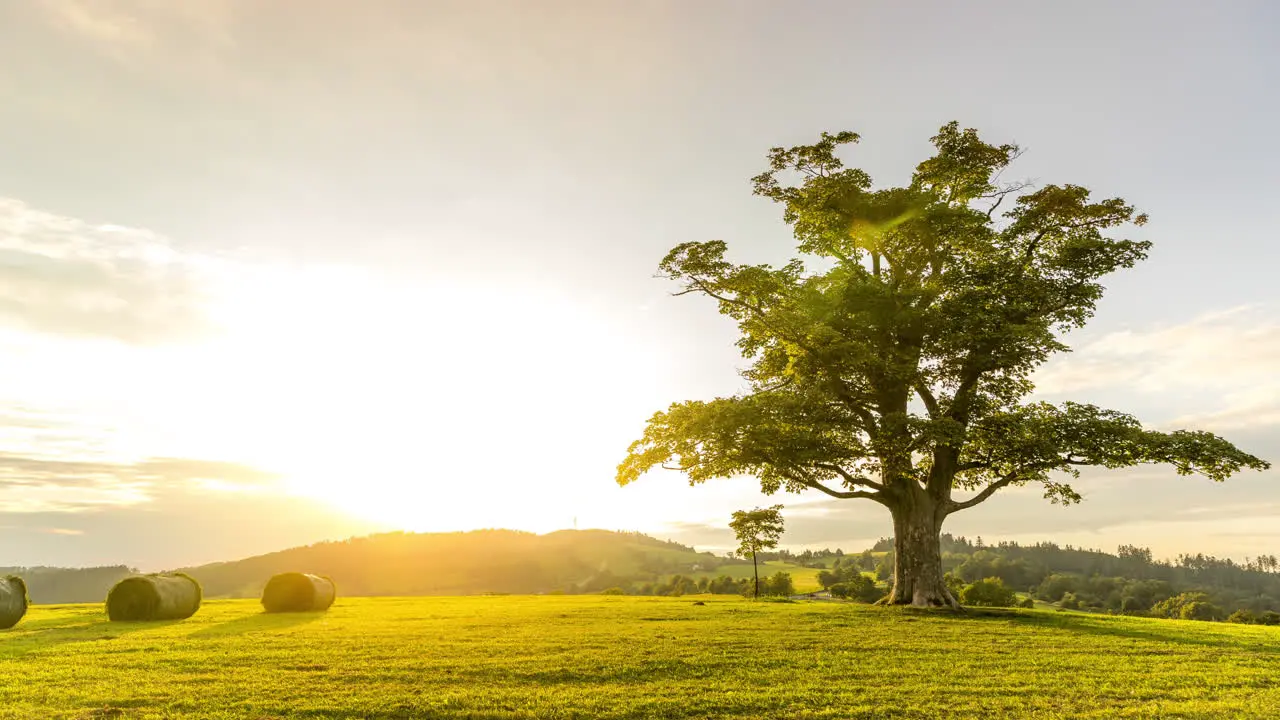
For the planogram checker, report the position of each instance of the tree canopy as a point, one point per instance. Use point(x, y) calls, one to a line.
point(757, 530)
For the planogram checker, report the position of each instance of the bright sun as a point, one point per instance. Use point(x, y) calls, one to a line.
point(427, 409)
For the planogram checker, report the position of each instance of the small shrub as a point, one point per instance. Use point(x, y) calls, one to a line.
point(613, 591)
point(860, 588)
point(1027, 602)
point(990, 592)
point(1243, 617)
point(1069, 602)
point(1173, 607)
point(1132, 606)
point(780, 585)
point(1200, 611)
point(1269, 617)
point(954, 584)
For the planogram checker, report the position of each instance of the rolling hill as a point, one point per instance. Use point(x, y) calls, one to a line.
point(465, 563)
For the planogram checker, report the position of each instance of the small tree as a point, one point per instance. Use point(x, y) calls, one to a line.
point(757, 530)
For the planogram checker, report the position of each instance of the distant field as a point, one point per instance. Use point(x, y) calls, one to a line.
point(631, 657)
point(805, 579)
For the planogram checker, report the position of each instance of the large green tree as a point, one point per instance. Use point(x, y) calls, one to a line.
point(891, 360)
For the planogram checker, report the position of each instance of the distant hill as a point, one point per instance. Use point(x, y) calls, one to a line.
point(466, 563)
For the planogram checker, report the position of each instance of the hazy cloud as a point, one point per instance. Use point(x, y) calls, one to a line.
point(32, 484)
point(63, 276)
point(129, 30)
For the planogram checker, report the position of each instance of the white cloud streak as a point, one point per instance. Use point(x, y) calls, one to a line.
point(1225, 365)
point(62, 276)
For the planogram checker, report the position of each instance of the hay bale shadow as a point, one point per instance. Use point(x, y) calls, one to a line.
point(36, 633)
point(258, 622)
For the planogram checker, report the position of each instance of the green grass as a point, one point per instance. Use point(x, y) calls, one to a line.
point(627, 657)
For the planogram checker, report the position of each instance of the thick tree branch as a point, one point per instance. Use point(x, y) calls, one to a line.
point(926, 396)
point(1011, 478)
point(850, 478)
point(987, 492)
point(843, 495)
point(959, 410)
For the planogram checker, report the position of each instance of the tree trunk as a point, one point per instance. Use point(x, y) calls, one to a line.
point(755, 570)
point(917, 564)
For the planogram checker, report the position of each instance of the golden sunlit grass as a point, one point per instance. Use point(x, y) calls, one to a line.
point(622, 657)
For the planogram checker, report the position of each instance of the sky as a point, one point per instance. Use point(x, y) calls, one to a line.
point(273, 273)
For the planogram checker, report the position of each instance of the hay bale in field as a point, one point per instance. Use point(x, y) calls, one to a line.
point(13, 601)
point(298, 592)
point(163, 596)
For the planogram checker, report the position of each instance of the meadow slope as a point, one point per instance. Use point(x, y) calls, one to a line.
point(630, 657)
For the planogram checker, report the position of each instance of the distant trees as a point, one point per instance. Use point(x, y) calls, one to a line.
point(757, 530)
point(725, 585)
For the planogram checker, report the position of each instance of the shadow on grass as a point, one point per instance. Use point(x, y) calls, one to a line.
point(1205, 634)
point(258, 622)
point(35, 633)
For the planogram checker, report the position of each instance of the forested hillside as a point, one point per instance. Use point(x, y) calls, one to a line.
point(49, 586)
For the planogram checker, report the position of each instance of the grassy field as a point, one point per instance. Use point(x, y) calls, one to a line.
point(626, 657)
point(805, 579)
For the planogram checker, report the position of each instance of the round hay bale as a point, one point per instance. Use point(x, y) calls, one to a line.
point(13, 601)
point(298, 592)
point(174, 596)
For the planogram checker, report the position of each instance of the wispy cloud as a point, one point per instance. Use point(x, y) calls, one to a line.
point(63, 276)
point(1224, 363)
point(107, 22)
point(133, 31)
